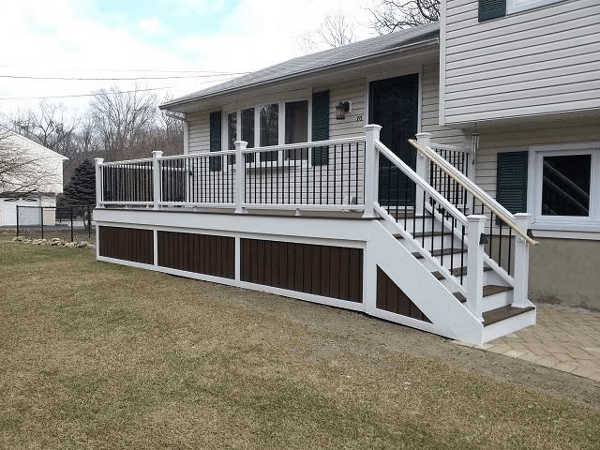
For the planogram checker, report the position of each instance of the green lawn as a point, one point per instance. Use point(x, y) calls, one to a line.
point(101, 356)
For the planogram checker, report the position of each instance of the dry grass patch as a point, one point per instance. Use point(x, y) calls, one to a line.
point(100, 356)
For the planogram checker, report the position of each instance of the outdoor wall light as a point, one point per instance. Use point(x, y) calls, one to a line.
point(341, 110)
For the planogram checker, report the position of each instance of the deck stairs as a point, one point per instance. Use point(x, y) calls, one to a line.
point(443, 292)
point(441, 249)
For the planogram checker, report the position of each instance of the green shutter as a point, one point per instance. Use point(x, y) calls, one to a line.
point(215, 140)
point(320, 126)
point(490, 9)
point(511, 182)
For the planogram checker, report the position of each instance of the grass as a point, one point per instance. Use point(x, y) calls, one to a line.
point(101, 356)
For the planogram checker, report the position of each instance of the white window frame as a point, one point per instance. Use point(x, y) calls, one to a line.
point(590, 223)
point(281, 132)
point(515, 6)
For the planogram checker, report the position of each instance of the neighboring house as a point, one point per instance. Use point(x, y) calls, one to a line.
point(283, 188)
point(36, 181)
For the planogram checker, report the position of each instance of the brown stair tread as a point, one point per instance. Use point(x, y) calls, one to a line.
point(491, 289)
point(487, 290)
point(448, 251)
point(431, 233)
point(458, 271)
point(438, 275)
point(461, 298)
point(506, 312)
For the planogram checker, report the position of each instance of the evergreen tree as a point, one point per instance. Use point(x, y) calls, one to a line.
point(81, 189)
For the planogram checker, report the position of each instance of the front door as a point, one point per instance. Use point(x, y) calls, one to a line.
point(394, 104)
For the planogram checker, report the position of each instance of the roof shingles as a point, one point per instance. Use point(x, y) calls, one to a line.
point(318, 61)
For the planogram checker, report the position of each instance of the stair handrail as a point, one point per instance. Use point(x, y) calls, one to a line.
point(501, 212)
point(410, 173)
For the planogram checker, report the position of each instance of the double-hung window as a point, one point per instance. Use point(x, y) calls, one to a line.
point(270, 124)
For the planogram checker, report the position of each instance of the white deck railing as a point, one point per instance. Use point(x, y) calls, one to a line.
point(340, 175)
point(324, 175)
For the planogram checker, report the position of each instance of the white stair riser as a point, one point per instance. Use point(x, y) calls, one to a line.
point(452, 261)
point(437, 242)
point(497, 301)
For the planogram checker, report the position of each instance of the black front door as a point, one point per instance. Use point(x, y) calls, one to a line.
point(393, 104)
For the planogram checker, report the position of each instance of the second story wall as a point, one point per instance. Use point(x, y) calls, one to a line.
point(543, 61)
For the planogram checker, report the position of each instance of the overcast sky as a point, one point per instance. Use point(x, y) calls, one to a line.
point(81, 39)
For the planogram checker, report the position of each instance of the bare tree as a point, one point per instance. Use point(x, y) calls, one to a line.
point(123, 120)
point(24, 170)
point(336, 30)
point(394, 15)
point(50, 127)
point(306, 43)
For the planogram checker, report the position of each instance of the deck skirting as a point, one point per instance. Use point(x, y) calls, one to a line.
point(349, 263)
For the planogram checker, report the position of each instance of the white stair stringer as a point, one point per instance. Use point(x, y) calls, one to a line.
point(448, 316)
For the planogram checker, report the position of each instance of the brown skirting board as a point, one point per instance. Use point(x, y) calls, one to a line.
point(335, 272)
point(127, 243)
point(391, 298)
point(198, 253)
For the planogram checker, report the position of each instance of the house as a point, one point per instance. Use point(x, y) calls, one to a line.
point(32, 176)
point(305, 179)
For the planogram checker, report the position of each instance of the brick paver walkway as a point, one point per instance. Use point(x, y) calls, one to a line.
point(564, 338)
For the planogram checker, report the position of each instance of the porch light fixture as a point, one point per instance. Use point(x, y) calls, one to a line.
point(341, 110)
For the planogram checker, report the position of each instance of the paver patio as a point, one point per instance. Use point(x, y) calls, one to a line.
point(564, 338)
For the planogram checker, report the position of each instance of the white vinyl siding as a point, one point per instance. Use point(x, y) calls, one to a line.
point(354, 92)
point(430, 112)
point(199, 132)
point(514, 139)
point(544, 61)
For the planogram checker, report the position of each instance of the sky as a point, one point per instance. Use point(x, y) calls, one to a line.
point(63, 50)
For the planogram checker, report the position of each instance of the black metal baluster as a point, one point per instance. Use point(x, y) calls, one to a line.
point(462, 254)
point(510, 249)
point(489, 252)
point(500, 243)
point(452, 244)
point(423, 218)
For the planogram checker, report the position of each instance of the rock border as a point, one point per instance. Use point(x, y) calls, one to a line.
point(53, 242)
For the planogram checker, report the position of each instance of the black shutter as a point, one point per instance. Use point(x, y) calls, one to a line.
point(215, 140)
point(320, 126)
point(490, 9)
point(511, 182)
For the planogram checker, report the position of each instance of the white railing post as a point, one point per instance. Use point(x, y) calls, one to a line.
point(240, 176)
point(156, 177)
point(422, 170)
point(99, 194)
point(475, 266)
point(521, 275)
point(371, 169)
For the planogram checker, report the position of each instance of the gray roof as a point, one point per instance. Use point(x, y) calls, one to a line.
point(369, 48)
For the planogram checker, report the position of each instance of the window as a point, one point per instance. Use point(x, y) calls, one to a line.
point(269, 130)
point(566, 188)
point(296, 128)
point(231, 135)
point(232, 130)
point(271, 124)
point(513, 6)
point(215, 140)
point(247, 130)
point(491, 9)
point(566, 185)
